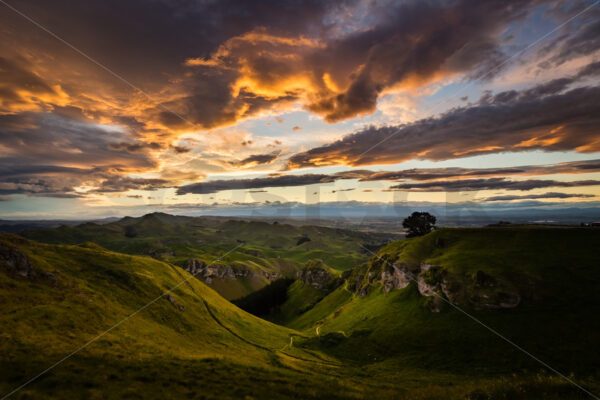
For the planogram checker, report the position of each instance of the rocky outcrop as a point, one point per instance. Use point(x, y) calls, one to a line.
point(171, 300)
point(425, 288)
point(316, 275)
point(489, 292)
point(495, 300)
point(398, 277)
point(429, 281)
point(15, 261)
point(315, 278)
point(207, 273)
point(481, 279)
point(481, 291)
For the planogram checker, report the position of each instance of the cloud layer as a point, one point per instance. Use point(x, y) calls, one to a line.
point(436, 179)
point(545, 117)
point(211, 64)
point(549, 195)
point(469, 185)
point(339, 70)
point(151, 103)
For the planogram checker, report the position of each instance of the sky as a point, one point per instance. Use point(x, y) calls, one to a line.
point(126, 107)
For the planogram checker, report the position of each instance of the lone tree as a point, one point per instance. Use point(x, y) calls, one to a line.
point(419, 224)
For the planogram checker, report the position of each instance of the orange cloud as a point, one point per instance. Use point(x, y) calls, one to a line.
point(341, 76)
point(544, 117)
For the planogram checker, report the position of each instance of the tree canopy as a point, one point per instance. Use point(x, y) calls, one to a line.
point(419, 223)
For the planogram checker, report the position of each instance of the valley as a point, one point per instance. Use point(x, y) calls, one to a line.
point(349, 316)
point(265, 251)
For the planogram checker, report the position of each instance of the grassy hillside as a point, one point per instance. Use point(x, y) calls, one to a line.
point(285, 299)
point(264, 248)
point(194, 343)
point(556, 272)
point(359, 341)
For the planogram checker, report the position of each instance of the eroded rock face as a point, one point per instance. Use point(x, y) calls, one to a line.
point(483, 291)
point(401, 275)
point(495, 300)
point(207, 273)
point(195, 267)
point(398, 278)
point(425, 288)
point(15, 261)
point(316, 277)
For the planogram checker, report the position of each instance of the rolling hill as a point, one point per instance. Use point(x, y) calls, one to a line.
point(430, 303)
point(189, 342)
point(264, 251)
point(414, 321)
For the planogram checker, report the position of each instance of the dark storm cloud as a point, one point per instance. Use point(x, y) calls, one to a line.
point(206, 64)
point(425, 174)
point(580, 37)
point(591, 70)
point(256, 159)
point(341, 73)
point(460, 177)
point(489, 184)
point(540, 118)
point(122, 184)
point(164, 33)
point(51, 155)
point(135, 147)
point(36, 138)
point(146, 43)
point(256, 183)
point(549, 195)
point(50, 181)
point(211, 63)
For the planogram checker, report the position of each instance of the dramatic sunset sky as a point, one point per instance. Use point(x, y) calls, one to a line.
point(123, 107)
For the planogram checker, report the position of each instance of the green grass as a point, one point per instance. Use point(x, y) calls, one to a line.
point(557, 272)
point(301, 298)
point(263, 247)
point(382, 345)
point(327, 306)
point(45, 318)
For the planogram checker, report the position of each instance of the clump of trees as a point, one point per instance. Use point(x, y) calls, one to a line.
point(130, 231)
point(419, 224)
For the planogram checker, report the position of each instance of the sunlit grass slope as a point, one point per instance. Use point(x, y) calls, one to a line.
point(380, 345)
point(194, 343)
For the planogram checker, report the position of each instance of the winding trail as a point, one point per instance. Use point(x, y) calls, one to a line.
point(274, 351)
point(230, 330)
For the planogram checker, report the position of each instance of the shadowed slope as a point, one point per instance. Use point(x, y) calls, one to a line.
point(553, 272)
